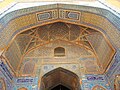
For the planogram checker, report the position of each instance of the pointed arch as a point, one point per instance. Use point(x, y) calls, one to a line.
point(59, 52)
point(60, 76)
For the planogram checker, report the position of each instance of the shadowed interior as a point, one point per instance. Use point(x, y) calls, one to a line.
point(60, 87)
point(61, 77)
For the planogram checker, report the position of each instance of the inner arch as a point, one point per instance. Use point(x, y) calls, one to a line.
point(60, 77)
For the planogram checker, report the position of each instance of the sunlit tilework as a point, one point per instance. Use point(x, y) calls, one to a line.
point(101, 19)
point(101, 22)
point(13, 55)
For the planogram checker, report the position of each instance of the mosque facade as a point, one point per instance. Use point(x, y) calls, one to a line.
point(60, 47)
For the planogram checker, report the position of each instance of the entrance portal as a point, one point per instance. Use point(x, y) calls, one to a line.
point(60, 79)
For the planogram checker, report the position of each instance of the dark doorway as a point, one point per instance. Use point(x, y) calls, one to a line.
point(60, 87)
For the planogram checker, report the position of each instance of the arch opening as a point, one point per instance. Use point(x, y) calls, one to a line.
point(59, 52)
point(60, 78)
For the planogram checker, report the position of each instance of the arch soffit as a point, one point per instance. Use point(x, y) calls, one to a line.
point(60, 69)
point(64, 21)
point(56, 20)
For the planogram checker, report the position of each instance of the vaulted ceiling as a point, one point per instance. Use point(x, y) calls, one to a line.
point(86, 37)
point(83, 46)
